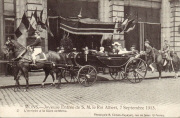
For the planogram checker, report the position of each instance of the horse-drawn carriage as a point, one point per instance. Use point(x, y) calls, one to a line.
point(84, 64)
point(83, 67)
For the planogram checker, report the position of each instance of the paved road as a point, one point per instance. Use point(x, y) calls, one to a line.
point(161, 97)
point(37, 78)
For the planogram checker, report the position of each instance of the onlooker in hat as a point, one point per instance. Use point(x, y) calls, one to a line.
point(37, 47)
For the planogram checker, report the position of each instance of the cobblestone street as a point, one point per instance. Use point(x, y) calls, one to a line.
point(151, 92)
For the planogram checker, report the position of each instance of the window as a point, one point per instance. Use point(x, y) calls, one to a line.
point(9, 19)
point(9, 28)
point(9, 7)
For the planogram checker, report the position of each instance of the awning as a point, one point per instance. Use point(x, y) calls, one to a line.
point(86, 26)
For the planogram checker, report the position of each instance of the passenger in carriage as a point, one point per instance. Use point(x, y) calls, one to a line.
point(134, 51)
point(118, 49)
point(101, 50)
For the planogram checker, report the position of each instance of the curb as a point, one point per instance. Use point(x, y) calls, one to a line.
point(30, 85)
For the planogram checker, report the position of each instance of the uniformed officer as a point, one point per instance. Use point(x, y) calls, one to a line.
point(166, 51)
point(37, 47)
point(149, 52)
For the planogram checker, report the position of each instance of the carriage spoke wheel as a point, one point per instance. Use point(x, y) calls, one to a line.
point(136, 70)
point(87, 75)
point(117, 75)
point(69, 76)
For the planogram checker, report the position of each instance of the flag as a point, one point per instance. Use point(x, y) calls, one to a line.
point(18, 33)
point(23, 27)
point(33, 21)
point(43, 26)
point(129, 26)
point(35, 15)
point(41, 14)
point(48, 29)
point(80, 14)
point(32, 26)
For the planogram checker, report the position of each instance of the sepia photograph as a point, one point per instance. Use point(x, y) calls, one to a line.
point(90, 58)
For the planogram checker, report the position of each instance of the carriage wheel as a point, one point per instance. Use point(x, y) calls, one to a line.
point(116, 75)
point(87, 75)
point(66, 76)
point(136, 70)
point(69, 76)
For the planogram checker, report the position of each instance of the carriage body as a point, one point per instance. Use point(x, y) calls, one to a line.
point(109, 61)
point(120, 67)
point(85, 63)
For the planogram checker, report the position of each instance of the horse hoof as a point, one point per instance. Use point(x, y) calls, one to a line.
point(53, 84)
point(58, 87)
point(15, 90)
point(25, 90)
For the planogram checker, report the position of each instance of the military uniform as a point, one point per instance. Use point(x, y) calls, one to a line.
point(166, 50)
point(37, 47)
point(149, 51)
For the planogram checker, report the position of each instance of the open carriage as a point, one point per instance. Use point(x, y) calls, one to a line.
point(126, 66)
point(83, 66)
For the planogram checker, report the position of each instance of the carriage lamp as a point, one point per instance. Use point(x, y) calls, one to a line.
point(86, 51)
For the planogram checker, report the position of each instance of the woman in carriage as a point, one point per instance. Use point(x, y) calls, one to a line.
point(118, 49)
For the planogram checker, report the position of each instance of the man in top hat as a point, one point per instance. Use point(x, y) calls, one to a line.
point(37, 47)
point(149, 51)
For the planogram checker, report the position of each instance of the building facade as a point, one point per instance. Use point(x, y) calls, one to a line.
point(151, 15)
